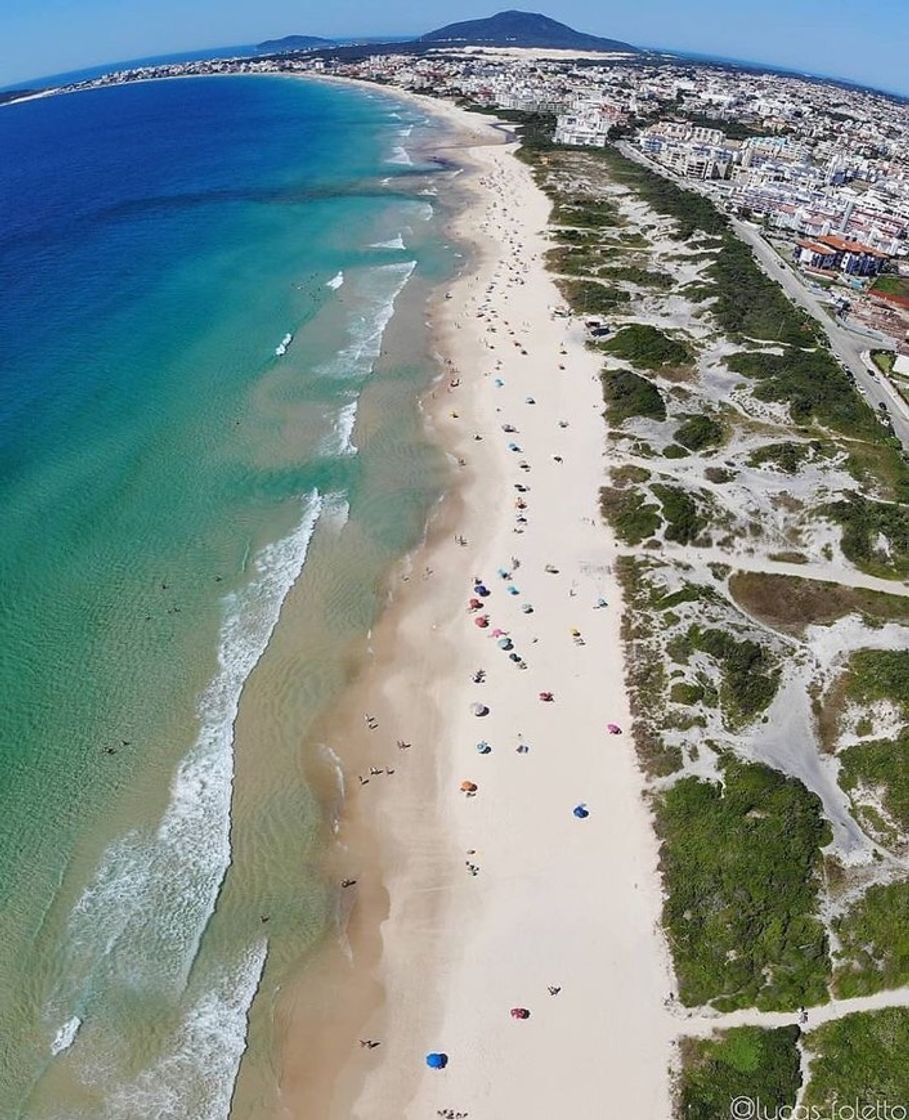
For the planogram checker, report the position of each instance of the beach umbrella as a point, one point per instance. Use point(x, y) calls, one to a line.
point(479, 709)
point(547, 697)
point(504, 573)
point(437, 1061)
point(516, 657)
point(613, 729)
point(505, 643)
point(512, 590)
point(474, 604)
point(482, 621)
point(581, 811)
point(513, 447)
point(469, 787)
point(497, 633)
point(519, 1013)
point(481, 590)
point(483, 747)
point(529, 400)
point(499, 382)
point(527, 608)
point(575, 632)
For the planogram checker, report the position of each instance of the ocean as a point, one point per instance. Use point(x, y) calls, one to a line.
point(212, 343)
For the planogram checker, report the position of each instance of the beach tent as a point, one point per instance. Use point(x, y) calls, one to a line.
point(437, 1061)
point(581, 811)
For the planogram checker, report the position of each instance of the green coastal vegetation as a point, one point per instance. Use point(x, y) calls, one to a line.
point(748, 673)
point(633, 518)
point(590, 297)
point(859, 1058)
point(698, 432)
point(881, 766)
point(685, 518)
point(865, 523)
point(647, 348)
point(743, 1062)
point(741, 865)
point(874, 942)
point(627, 394)
point(787, 456)
point(879, 674)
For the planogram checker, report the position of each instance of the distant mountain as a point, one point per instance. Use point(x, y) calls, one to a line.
point(294, 43)
point(522, 29)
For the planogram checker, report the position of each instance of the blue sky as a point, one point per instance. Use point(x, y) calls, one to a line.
point(846, 38)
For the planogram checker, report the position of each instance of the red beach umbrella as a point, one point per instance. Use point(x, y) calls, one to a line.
point(519, 1013)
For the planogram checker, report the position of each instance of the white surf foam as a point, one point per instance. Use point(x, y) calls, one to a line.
point(66, 1035)
point(196, 1079)
point(282, 347)
point(394, 243)
point(376, 304)
point(400, 156)
point(344, 427)
point(140, 921)
point(336, 281)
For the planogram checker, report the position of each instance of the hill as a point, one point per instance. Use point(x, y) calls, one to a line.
point(293, 43)
point(522, 29)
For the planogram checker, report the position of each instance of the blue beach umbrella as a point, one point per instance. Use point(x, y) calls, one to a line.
point(499, 382)
point(512, 590)
point(581, 811)
point(483, 747)
point(505, 643)
point(513, 447)
point(437, 1061)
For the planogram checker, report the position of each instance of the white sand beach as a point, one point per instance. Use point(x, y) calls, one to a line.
point(555, 900)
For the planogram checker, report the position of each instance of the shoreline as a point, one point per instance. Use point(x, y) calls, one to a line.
point(417, 911)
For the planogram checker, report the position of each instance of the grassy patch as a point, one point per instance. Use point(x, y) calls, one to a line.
point(632, 517)
point(648, 348)
point(632, 274)
point(875, 535)
point(789, 603)
point(588, 297)
point(749, 675)
point(884, 767)
point(860, 1058)
point(787, 457)
point(743, 1062)
point(879, 674)
point(683, 692)
point(814, 387)
point(874, 936)
point(628, 394)
point(740, 864)
point(892, 286)
point(699, 432)
point(685, 520)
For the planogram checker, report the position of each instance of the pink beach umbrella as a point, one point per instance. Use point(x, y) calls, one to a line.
point(613, 729)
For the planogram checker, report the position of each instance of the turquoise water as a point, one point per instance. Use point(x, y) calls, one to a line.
point(197, 278)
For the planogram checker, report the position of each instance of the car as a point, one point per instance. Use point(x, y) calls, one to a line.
point(882, 406)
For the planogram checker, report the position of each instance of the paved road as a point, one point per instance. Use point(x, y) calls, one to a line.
point(851, 348)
